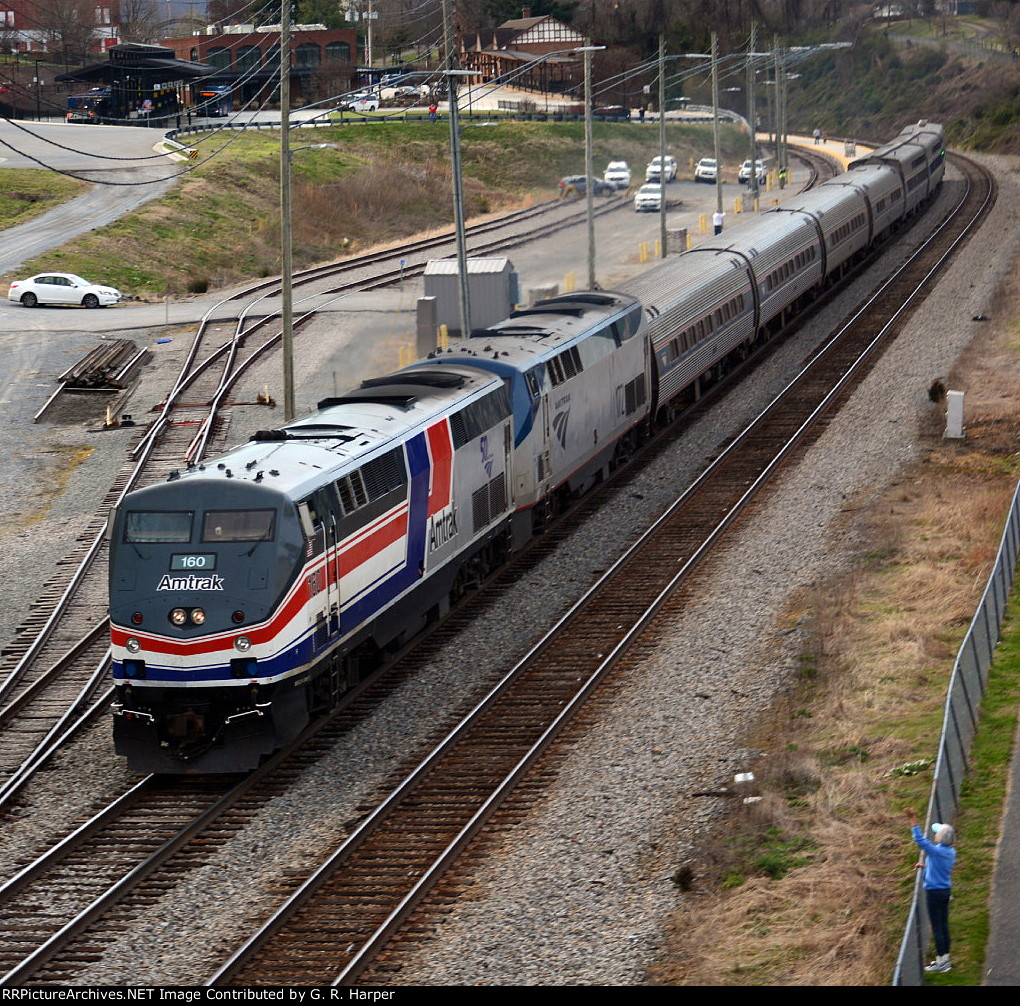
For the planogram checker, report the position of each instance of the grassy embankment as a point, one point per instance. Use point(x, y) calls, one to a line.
point(810, 886)
point(27, 192)
point(879, 85)
point(220, 224)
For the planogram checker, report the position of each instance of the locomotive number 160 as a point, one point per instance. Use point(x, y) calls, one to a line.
point(200, 560)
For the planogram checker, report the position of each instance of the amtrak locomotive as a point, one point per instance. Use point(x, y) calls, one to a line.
point(248, 593)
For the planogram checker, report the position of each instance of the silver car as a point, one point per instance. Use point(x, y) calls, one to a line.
point(61, 288)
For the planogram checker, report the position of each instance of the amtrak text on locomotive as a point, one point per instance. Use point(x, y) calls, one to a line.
point(190, 582)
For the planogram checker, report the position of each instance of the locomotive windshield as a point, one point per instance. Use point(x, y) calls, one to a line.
point(154, 526)
point(238, 525)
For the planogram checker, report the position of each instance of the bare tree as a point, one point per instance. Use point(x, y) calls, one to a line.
point(67, 26)
point(139, 20)
point(225, 11)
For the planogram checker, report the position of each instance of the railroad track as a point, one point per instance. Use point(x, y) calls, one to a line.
point(40, 678)
point(55, 959)
point(350, 908)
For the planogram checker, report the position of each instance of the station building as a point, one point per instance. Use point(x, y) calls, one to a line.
point(247, 58)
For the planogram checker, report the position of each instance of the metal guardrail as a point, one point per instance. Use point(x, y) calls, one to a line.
point(963, 706)
point(695, 114)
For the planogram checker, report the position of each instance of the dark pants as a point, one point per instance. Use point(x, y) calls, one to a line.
point(718, 228)
point(938, 915)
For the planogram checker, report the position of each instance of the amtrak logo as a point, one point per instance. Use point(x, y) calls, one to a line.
point(486, 456)
point(560, 421)
point(442, 528)
point(190, 582)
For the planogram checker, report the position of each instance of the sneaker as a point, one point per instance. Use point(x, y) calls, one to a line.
point(940, 964)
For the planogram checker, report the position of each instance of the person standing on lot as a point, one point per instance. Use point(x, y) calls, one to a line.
point(717, 219)
point(940, 857)
point(433, 111)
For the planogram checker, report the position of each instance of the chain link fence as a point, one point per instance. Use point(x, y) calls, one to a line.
point(963, 702)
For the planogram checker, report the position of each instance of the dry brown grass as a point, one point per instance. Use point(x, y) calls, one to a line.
point(874, 683)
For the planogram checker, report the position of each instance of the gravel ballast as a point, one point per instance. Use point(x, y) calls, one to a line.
point(579, 892)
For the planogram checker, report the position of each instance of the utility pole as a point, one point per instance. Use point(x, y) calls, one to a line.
point(286, 291)
point(662, 146)
point(715, 121)
point(778, 99)
point(368, 37)
point(458, 184)
point(752, 49)
point(589, 166)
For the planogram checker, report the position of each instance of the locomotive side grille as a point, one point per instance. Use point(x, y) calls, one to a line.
point(383, 474)
point(352, 492)
point(634, 394)
point(497, 495)
point(488, 502)
point(480, 508)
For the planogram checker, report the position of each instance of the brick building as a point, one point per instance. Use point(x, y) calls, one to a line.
point(247, 58)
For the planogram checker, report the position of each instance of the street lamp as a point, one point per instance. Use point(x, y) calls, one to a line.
point(458, 199)
point(458, 192)
point(662, 131)
point(286, 278)
point(287, 294)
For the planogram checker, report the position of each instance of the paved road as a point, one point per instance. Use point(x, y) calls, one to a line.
point(120, 159)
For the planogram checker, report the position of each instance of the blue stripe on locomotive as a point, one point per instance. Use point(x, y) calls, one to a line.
point(406, 576)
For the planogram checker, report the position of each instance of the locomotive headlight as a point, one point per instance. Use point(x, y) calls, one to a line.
point(197, 615)
point(132, 645)
point(242, 643)
point(178, 616)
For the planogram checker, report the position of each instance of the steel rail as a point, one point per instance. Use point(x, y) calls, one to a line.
point(417, 892)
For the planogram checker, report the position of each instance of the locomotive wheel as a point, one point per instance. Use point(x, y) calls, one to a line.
point(29, 300)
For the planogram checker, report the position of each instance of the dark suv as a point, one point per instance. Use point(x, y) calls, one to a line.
point(577, 182)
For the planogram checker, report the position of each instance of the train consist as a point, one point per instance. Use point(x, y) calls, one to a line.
point(248, 593)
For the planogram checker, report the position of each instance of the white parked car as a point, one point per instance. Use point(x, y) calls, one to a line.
point(363, 102)
point(664, 172)
point(61, 288)
point(706, 170)
point(744, 175)
point(617, 174)
point(648, 197)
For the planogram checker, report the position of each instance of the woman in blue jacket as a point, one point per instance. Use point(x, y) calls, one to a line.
point(940, 857)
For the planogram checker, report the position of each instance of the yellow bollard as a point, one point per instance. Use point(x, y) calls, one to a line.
point(568, 282)
point(443, 337)
point(643, 252)
point(658, 249)
point(738, 205)
point(703, 223)
point(690, 242)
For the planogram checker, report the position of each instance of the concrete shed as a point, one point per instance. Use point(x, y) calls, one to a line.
point(492, 291)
